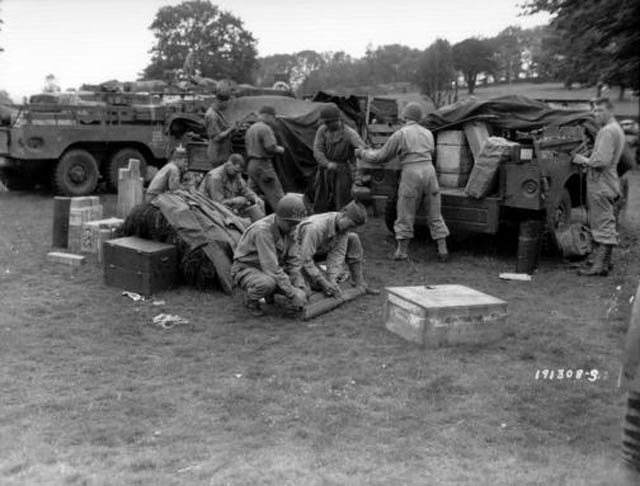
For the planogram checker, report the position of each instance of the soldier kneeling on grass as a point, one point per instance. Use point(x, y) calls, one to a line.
point(168, 179)
point(267, 258)
point(328, 234)
point(225, 185)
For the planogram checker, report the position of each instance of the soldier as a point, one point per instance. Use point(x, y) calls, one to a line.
point(168, 178)
point(261, 146)
point(225, 184)
point(328, 233)
point(603, 186)
point(218, 130)
point(333, 149)
point(267, 258)
point(413, 144)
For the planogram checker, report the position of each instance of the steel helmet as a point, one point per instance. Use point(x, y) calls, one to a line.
point(412, 111)
point(329, 113)
point(291, 208)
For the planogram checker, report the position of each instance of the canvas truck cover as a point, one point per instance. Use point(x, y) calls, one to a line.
point(508, 112)
point(296, 125)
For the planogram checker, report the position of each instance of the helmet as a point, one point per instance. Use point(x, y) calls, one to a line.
point(291, 208)
point(412, 111)
point(329, 113)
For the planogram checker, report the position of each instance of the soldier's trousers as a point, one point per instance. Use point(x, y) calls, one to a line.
point(263, 177)
point(419, 185)
point(602, 214)
point(253, 281)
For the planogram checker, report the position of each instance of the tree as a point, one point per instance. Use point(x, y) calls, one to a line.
point(436, 73)
point(603, 34)
point(472, 57)
point(221, 46)
point(508, 46)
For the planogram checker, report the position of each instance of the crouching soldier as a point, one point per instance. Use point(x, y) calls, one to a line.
point(328, 233)
point(267, 258)
point(168, 178)
point(225, 184)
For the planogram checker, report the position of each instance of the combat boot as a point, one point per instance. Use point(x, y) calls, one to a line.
point(402, 250)
point(443, 253)
point(600, 265)
point(357, 276)
point(253, 306)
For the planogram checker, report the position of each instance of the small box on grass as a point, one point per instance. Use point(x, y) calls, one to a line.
point(90, 241)
point(442, 315)
point(140, 266)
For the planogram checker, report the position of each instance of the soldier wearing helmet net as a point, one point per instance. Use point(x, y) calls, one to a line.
point(267, 258)
point(413, 145)
point(333, 149)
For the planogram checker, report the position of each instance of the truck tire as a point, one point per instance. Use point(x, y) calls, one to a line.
point(76, 174)
point(558, 218)
point(391, 212)
point(120, 160)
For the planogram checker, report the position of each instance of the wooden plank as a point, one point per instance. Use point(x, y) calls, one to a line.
point(61, 206)
point(327, 304)
point(477, 134)
point(65, 258)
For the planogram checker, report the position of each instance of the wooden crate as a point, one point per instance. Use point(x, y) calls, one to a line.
point(91, 238)
point(443, 315)
point(451, 137)
point(453, 159)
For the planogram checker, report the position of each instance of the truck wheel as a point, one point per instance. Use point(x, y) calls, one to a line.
point(391, 212)
point(120, 160)
point(76, 173)
point(558, 219)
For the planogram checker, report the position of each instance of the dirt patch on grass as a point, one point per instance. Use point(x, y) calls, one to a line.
point(93, 393)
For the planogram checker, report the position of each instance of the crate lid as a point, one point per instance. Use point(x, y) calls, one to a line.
point(444, 296)
point(139, 244)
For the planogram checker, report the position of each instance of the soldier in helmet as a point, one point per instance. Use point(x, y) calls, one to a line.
point(267, 258)
point(333, 149)
point(328, 233)
point(413, 145)
point(168, 178)
point(219, 131)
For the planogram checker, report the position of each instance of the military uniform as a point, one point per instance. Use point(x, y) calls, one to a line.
point(219, 149)
point(265, 261)
point(166, 180)
point(260, 144)
point(413, 144)
point(218, 186)
point(603, 185)
point(318, 234)
point(333, 187)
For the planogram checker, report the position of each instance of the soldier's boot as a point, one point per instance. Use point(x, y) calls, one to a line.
point(253, 306)
point(402, 250)
point(608, 258)
point(357, 275)
point(443, 252)
point(600, 263)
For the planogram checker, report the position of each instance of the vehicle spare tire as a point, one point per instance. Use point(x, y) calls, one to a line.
point(120, 160)
point(76, 174)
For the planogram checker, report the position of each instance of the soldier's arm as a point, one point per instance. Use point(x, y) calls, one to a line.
point(336, 255)
point(246, 191)
point(269, 263)
point(215, 189)
point(293, 266)
point(308, 245)
point(385, 153)
point(354, 138)
point(318, 149)
point(603, 151)
point(269, 141)
point(173, 181)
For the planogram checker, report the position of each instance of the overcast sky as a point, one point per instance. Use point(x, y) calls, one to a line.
point(90, 41)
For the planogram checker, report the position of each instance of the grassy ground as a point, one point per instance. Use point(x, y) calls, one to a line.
point(93, 393)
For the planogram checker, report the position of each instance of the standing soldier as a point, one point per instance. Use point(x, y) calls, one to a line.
point(218, 130)
point(225, 184)
point(168, 178)
point(333, 149)
point(267, 258)
point(328, 233)
point(261, 147)
point(603, 185)
point(413, 145)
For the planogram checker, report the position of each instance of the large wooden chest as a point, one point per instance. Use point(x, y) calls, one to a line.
point(140, 266)
point(441, 315)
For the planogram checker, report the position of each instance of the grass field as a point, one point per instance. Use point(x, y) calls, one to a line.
point(94, 394)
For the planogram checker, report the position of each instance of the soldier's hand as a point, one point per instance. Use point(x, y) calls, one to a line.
point(299, 298)
point(579, 159)
point(279, 149)
point(332, 289)
point(332, 166)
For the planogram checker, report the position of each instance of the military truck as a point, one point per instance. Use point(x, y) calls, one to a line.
point(75, 145)
point(539, 183)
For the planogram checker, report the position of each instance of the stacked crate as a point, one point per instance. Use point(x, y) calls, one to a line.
point(453, 158)
point(81, 211)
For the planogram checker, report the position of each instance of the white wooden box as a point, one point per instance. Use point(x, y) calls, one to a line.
point(444, 315)
point(450, 137)
point(453, 159)
point(91, 238)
